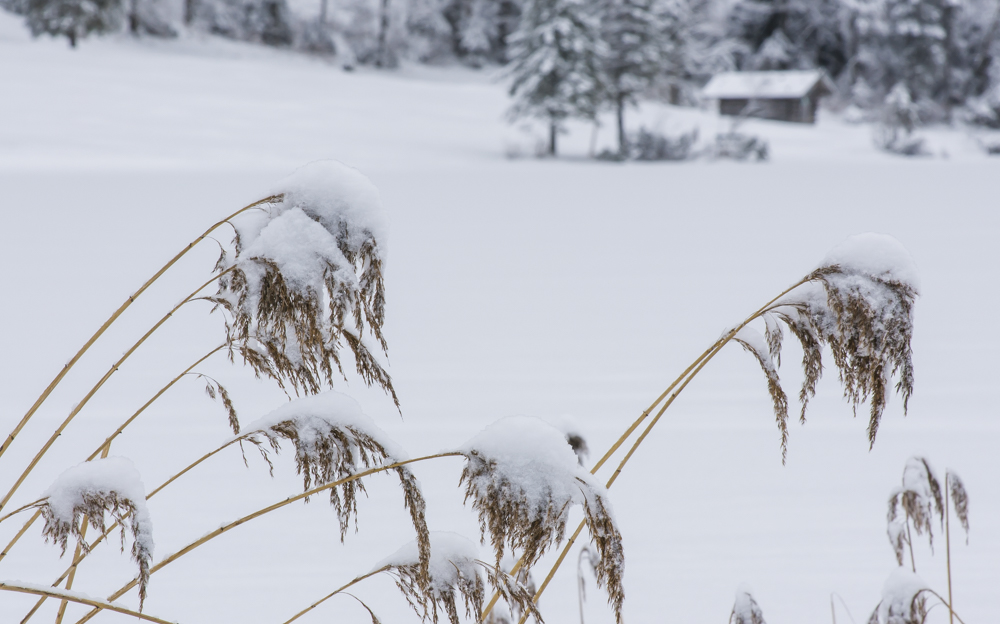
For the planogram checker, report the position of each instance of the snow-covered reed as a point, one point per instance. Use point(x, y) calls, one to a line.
point(88, 491)
point(745, 608)
point(522, 478)
point(306, 280)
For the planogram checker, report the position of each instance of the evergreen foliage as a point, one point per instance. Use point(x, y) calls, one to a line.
point(556, 64)
point(73, 19)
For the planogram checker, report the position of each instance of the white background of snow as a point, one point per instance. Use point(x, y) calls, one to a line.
point(514, 287)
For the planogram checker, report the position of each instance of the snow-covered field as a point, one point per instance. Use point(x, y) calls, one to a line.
point(565, 289)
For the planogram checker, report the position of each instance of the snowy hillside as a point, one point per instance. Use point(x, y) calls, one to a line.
point(570, 289)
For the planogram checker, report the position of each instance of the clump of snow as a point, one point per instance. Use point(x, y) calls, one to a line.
point(337, 196)
point(898, 594)
point(745, 608)
point(70, 491)
point(315, 416)
point(452, 555)
point(534, 458)
point(522, 477)
point(753, 340)
point(105, 486)
point(878, 256)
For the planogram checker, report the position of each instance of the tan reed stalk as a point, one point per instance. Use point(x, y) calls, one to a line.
point(20, 509)
point(614, 447)
point(334, 593)
point(947, 544)
point(947, 604)
point(62, 373)
point(260, 512)
point(689, 373)
point(103, 450)
point(12, 587)
point(76, 410)
point(79, 548)
point(27, 525)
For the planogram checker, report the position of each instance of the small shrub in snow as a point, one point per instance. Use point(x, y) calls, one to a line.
point(85, 493)
point(739, 146)
point(649, 145)
point(899, 118)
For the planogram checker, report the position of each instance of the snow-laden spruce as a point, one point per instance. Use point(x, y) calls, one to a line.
point(333, 441)
point(859, 303)
point(92, 489)
point(307, 279)
point(745, 608)
point(522, 477)
point(453, 572)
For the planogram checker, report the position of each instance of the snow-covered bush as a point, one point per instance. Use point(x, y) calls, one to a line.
point(740, 146)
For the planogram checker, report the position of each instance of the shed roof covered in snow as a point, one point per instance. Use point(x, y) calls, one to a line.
point(765, 84)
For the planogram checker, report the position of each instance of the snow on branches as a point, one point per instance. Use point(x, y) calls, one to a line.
point(859, 303)
point(88, 491)
point(522, 477)
point(307, 279)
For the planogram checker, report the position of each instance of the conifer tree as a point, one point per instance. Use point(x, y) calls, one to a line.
point(73, 19)
point(555, 65)
point(638, 49)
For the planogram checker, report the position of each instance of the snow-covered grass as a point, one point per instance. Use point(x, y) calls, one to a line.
point(515, 287)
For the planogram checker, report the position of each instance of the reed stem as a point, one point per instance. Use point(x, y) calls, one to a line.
point(260, 512)
point(76, 410)
point(39, 591)
point(947, 543)
point(65, 369)
point(334, 593)
point(679, 384)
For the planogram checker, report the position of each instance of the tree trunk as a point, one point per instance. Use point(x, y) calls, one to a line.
point(322, 12)
point(622, 141)
point(553, 131)
point(188, 12)
point(72, 38)
point(133, 17)
point(383, 31)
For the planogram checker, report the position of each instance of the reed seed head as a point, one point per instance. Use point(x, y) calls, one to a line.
point(745, 609)
point(960, 500)
point(306, 280)
point(919, 498)
point(522, 477)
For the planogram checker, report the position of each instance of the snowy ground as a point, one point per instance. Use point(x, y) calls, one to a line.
point(564, 288)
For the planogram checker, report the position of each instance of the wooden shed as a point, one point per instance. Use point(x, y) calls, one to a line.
point(780, 95)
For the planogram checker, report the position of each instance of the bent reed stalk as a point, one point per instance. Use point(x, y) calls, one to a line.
point(673, 390)
point(355, 581)
point(38, 591)
point(111, 371)
point(65, 369)
point(103, 450)
point(260, 512)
